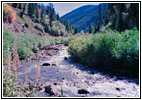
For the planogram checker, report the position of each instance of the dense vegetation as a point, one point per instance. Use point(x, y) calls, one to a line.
point(118, 16)
point(27, 43)
point(109, 51)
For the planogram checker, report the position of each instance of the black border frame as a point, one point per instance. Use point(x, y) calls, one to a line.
point(71, 97)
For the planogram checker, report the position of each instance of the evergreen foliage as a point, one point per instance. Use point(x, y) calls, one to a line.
point(44, 15)
point(120, 16)
point(23, 11)
point(76, 31)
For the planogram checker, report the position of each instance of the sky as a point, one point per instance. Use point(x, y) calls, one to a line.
point(64, 8)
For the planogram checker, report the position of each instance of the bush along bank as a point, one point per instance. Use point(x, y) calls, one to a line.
point(109, 51)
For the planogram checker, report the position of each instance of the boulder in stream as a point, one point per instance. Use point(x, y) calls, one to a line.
point(83, 91)
point(65, 58)
point(50, 89)
point(118, 89)
point(53, 64)
point(46, 64)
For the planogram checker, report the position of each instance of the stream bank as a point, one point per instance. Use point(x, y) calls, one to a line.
point(59, 72)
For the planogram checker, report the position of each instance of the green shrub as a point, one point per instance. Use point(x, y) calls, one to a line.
point(24, 52)
point(109, 51)
point(47, 28)
point(55, 33)
point(27, 25)
point(8, 39)
point(127, 50)
point(26, 42)
point(38, 27)
point(66, 40)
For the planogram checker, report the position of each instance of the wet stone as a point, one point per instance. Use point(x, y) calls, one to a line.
point(118, 89)
point(55, 83)
point(53, 64)
point(83, 91)
point(65, 58)
point(50, 90)
point(46, 64)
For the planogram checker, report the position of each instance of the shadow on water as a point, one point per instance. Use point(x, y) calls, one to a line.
point(116, 76)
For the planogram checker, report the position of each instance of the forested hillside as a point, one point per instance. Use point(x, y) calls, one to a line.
point(84, 16)
point(93, 18)
point(35, 18)
point(118, 17)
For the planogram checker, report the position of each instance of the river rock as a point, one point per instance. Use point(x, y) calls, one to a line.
point(65, 58)
point(118, 89)
point(40, 87)
point(83, 91)
point(46, 64)
point(55, 83)
point(53, 64)
point(50, 89)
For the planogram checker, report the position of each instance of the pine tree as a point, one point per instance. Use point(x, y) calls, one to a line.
point(133, 15)
point(100, 16)
point(42, 14)
point(51, 5)
point(37, 14)
point(51, 13)
point(57, 17)
point(14, 5)
point(24, 7)
point(76, 30)
point(20, 5)
point(48, 10)
point(67, 25)
point(91, 29)
point(31, 9)
point(52, 17)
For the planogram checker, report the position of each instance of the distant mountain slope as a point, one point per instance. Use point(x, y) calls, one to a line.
point(83, 17)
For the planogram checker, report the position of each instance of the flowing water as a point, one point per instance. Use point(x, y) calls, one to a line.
point(73, 77)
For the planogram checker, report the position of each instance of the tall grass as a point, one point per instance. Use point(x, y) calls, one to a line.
point(8, 40)
point(109, 51)
point(11, 86)
point(8, 66)
point(27, 43)
point(37, 73)
point(16, 61)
